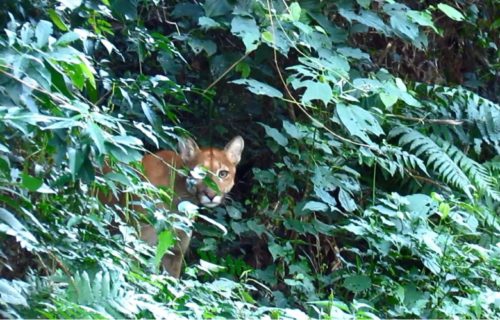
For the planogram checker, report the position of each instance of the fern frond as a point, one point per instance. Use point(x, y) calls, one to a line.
point(493, 165)
point(480, 115)
point(442, 164)
point(475, 171)
point(397, 160)
point(109, 295)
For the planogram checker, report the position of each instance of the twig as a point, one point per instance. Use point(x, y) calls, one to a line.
point(298, 104)
point(452, 122)
point(226, 71)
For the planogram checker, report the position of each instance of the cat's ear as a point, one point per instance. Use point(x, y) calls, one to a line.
point(188, 149)
point(234, 148)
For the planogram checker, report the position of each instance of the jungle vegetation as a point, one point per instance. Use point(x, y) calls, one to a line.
point(369, 186)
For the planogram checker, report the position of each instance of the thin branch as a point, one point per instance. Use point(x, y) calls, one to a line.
point(298, 104)
point(452, 122)
point(227, 71)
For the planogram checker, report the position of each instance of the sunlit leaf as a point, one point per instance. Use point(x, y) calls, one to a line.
point(357, 283)
point(259, 88)
point(43, 31)
point(97, 136)
point(247, 30)
point(165, 242)
point(275, 134)
point(31, 183)
point(359, 122)
point(451, 12)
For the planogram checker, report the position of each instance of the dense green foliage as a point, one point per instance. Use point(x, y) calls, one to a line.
point(369, 186)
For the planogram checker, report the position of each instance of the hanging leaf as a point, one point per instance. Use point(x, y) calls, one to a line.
point(165, 242)
point(246, 29)
point(259, 88)
point(70, 4)
point(358, 122)
point(315, 206)
point(295, 11)
point(199, 45)
point(43, 31)
point(275, 134)
point(97, 136)
point(31, 183)
point(56, 19)
point(451, 12)
point(207, 23)
point(357, 283)
point(316, 91)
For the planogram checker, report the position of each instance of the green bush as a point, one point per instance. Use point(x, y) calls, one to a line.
point(369, 186)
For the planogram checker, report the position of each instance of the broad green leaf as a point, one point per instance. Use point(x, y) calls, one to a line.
point(31, 183)
point(56, 19)
point(275, 134)
point(267, 36)
point(451, 12)
point(292, 130)
point(70, 4)
point(128, 8)
point(233, 212)
point(364, 3)
point(207, 23)
point(244, 69)
point(278, 251)
point(316, 91)
point(357, 283)
point(199, 45)
point(108, 45)
point(150, 115)
point(42, 32)
point(387, 99)
point(246, 29)
point(259, 88)
point(97, 136)
point(354, 53)
point(423, 18)
point(368, 18)
point(276, 38)
point(346, 201)
point(67, 38)
point(295, 11)
point(403, 26)
point(88, 71)
point(420, 204)
point(216, 8)
point(429, 238)
point(315, 206)
point(367, 85)
point(358, 122)
point(75, 158)
point(165, 242)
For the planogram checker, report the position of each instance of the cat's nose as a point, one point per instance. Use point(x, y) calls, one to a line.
point(210, 194)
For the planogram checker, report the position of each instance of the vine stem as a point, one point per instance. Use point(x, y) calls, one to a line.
point(298, 104)
point(227, 71)
point(373, 183)
point(452, 122)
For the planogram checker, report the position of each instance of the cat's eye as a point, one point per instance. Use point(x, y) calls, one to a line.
point(223, 174)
